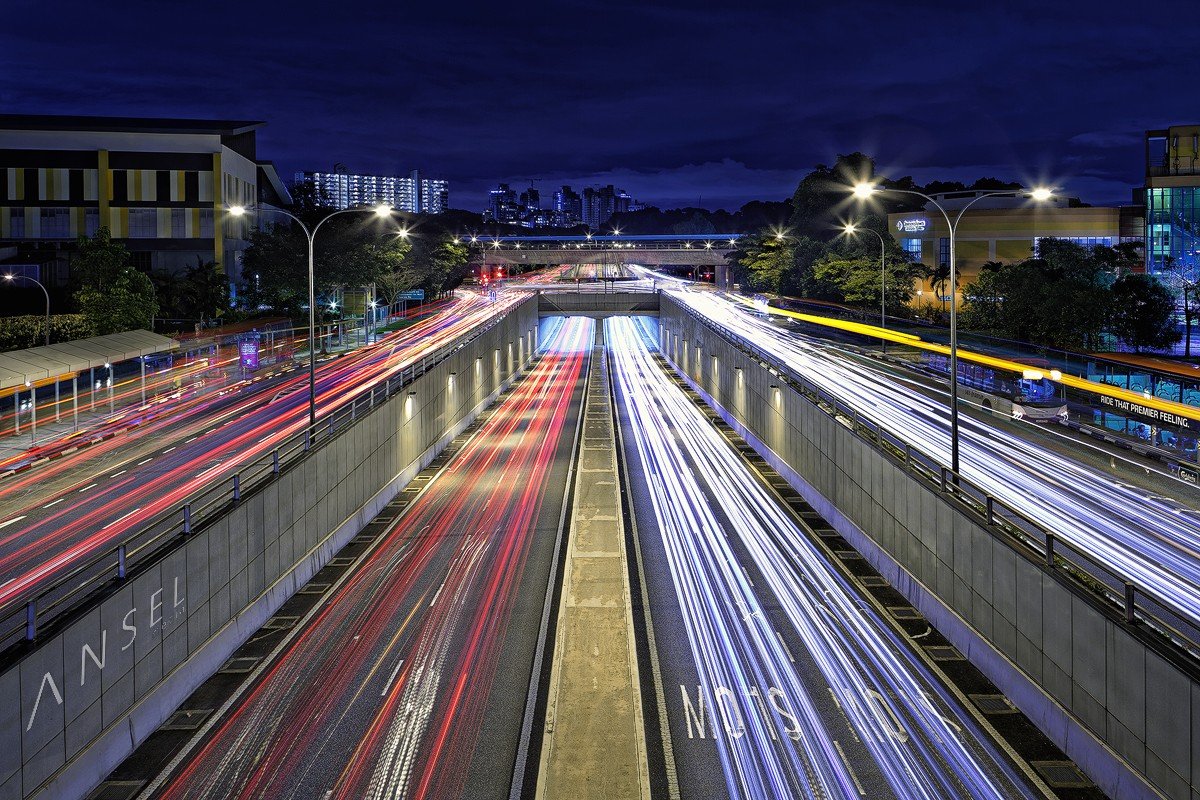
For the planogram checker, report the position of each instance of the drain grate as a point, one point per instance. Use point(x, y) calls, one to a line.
point(239, 665)
point(824, 531)
point(944, 652)
point(188, 720)
point(341, 561)
point(281, 623)
point(314, 588)
point(847, 555)
point(1061, 774)
point(117, 790)
point(904, 612)
point(992, 703)
point(873, 581)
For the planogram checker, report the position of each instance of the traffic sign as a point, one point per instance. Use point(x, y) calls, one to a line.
point(412, 294)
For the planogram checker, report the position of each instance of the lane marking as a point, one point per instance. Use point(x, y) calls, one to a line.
point(53, 503)
point(11, 521)
point(115, 474)
point(123, 516)
point(862, 792)
point(786, 649)
point(391, 678)
point(189, 441)
point(169, 449)
point(145, 460)
point(89, 486)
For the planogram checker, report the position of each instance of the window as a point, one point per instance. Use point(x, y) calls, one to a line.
point(16, 223)
point(206, 223)
point(179, 223)
point(91, 221)
point(56, 223)
point(143, 223)
point(912, 247)
point(1084, 241)
point(944, 251)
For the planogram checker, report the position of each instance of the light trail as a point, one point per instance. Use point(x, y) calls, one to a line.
point(385, 692)
point(50, 541)
point(910, 738)
point(1139, 536)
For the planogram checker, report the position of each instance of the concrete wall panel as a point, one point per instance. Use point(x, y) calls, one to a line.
point(177, 620)
point(1092, 683)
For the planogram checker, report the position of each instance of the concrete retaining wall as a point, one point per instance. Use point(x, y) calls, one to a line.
point(1128, 715)
point(94, 690)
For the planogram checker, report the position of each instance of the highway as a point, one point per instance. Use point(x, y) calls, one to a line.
point(61, 512)
point(1145, 538)
point(411, 679)
point(780, 680)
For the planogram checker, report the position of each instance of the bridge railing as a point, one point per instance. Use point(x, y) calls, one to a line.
point(1174, 631)
point(24, 618)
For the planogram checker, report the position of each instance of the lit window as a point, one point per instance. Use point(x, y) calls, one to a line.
point(143, 223)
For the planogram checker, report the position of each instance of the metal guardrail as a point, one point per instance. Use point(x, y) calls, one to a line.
point(1134, 603)
point(22, 619)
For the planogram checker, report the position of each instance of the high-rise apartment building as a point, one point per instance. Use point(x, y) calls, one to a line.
point(412, 193)
point(568, 205)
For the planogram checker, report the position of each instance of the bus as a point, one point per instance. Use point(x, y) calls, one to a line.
point(1029, 395)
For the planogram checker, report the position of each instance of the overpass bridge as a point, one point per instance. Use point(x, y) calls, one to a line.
point(521, 253)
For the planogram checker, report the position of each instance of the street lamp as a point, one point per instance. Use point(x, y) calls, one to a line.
point(10, 277)
point(864, 190)
point(381, 210)
point(850, 230)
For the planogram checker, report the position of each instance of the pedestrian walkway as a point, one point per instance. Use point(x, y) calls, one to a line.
point(594, 745)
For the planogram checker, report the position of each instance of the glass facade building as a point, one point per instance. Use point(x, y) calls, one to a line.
point(1173, 201)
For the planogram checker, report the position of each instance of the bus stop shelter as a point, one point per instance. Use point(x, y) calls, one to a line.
point(40, 368)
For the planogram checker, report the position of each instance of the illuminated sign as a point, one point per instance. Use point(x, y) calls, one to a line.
point(916, 225)
point(248, 350)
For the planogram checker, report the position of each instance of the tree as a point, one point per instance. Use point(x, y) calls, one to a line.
point(855, 278)
point(112, 295)
point(1184, 278)
point(1144, 312)
point(760, 262)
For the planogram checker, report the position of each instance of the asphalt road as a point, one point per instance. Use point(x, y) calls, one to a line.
point(780, 679)
point(411, 680)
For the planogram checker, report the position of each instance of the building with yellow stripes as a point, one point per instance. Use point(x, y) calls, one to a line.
point(1005, 228)
point(159, 185)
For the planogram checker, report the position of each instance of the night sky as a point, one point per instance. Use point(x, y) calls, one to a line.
point(679, 103)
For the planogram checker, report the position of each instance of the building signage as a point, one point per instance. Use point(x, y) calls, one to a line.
point(1153, 414)
point(248, 350)
point(914, 225)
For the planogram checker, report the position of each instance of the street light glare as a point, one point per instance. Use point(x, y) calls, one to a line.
point(850, 228)
point(1041, 193)
point(404, 234)
point(237, 211)
point(10, 277)
point(383, 209)
point(864, 190)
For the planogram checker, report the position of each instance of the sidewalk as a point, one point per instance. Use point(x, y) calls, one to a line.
point(594, 745)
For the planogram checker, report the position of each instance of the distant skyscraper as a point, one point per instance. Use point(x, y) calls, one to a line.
point(568, 206)
point(594, 208)
point(531, 199)
point(600, 204)
point(413, 194)
point(503, 205)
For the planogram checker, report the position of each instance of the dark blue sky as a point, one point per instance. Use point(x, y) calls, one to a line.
point(673, 101)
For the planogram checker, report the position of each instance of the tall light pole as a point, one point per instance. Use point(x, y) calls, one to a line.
point(864, 190)
point(851, 229)
point(10, 277)
point(382, 210)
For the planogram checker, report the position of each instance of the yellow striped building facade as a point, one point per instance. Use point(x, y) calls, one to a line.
point(161, 187)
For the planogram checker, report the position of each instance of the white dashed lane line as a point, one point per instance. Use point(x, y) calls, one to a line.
point(11, 521)
point(53, 503)
point(145, 461)
point(123, 516)
point(89, 486)
point(115, 474)
point(169, 449)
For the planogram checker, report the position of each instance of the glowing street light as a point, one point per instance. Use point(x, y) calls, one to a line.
point(864, 190)
point(851, 230)
point(382, 210)
point(10, 277)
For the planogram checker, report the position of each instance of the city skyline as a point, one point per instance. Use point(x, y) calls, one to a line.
point(707, 106)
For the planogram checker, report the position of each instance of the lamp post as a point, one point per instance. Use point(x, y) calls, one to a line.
point(851, 229)
point(864, 190)
point(382, 210)
point(10, 277)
